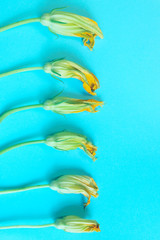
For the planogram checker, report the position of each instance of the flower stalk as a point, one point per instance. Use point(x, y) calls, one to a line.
point(20, 71)
point(24, 189)
point(19, 23)
point(6, 114)
point(26, 226)
point(20, 145)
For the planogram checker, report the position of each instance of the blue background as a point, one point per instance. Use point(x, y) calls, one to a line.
point(126, 130)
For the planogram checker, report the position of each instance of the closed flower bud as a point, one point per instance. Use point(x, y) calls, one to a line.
point(65, 105)
point(76, 224)
point(67, 69)
point(76, 184)
point(70, 24)
point(69, 141)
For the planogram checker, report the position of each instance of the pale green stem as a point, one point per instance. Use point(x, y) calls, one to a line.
point(20, 145)
point(6, 114)
point(24, 189)
point(29, 226)
point(20, 70)
point(16, 24)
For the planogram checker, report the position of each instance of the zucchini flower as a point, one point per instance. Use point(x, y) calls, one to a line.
point(66, 184)
point(71, 224)
point(76, 184)
point(70, 24)
point(63, 68)
point(65, 105)
point(76, 224)
point(60, 105)
point(67, 69)
point(64, 141)
point(67, 24)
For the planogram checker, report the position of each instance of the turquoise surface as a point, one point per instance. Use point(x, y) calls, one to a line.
point(126, 130)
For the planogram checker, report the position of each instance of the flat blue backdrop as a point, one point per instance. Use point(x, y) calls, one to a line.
point(126, 130)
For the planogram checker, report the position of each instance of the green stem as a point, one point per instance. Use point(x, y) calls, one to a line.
point(6, 114)
point(16, 24)
point(28, 226)
point(20, 70)
point(24, 189)
point(20, 145)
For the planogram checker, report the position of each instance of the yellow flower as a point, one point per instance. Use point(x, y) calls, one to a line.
point(76, 224)
point(65, 105)
point(69, 141)
point(70, 24)
point(76, 184)
point(67, 69)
